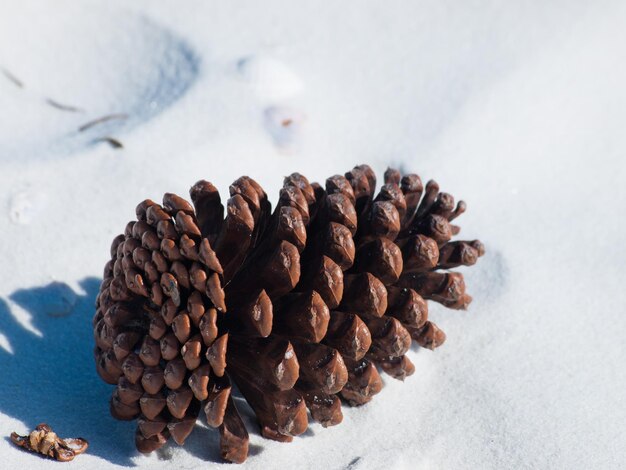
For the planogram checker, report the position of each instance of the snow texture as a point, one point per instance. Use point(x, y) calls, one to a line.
point(517, 107)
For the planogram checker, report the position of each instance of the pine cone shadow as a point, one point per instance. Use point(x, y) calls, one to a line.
point(492, 277)
point(203, 443)
point(52, 378)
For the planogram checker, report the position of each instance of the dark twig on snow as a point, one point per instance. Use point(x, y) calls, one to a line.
point(114, 143)
point(12, 78)
point(63, 107)
point(100, 120)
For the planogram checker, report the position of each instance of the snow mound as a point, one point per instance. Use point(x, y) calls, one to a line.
point(72, 83)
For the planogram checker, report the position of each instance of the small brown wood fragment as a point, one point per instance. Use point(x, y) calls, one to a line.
point(44, 441)
point(113, 142)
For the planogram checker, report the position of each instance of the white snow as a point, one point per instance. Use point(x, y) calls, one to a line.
point(271, 79)
point(516, 107)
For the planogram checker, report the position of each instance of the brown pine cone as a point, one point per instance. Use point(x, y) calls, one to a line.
point(192, 300)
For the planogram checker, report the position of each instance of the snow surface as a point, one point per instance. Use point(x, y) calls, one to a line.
point(517, 107)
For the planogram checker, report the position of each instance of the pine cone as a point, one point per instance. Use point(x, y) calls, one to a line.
point(192, 300)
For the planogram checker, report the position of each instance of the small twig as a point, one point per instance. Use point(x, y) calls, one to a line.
point(109, 117)
point(12, 78)
point(116, 144)
point(63, 107)
point(352, 463)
